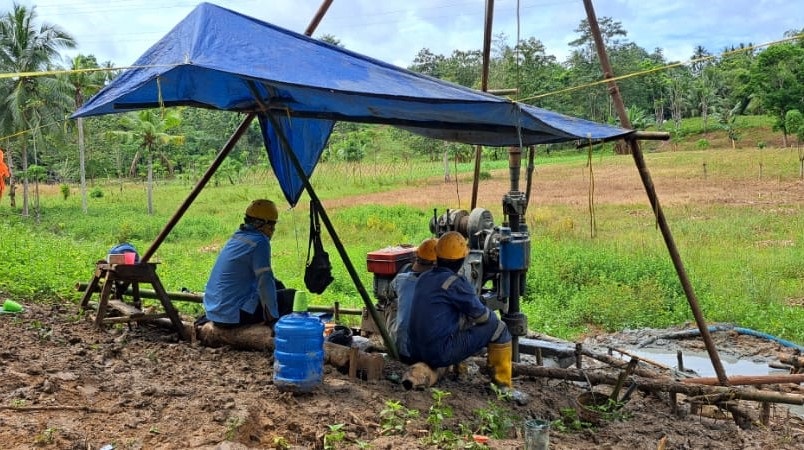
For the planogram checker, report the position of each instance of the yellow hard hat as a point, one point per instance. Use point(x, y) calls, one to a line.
point(427, 250)
point(452, 246)
point(264, 210)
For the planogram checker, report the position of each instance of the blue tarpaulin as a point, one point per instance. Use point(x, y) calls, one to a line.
point(220, 59)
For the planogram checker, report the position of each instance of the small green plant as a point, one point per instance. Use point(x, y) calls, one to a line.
point(232, 425)
point(394, 417)
point(569, 421)
point(334, 436)
point(154, 430)
point(495, 419)
point(436, 416)
point(65, 191)
point(761, 145)
point(96, 192)
point(611, 410)
point(18, 403)
point(702, 144)
point(46, 437)
point(152, 356)
point(280, 442)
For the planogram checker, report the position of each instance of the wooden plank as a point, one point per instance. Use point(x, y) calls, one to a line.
point(142, 318)
point(125, 308)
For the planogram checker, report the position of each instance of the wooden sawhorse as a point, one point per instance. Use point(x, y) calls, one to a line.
point(120, 276)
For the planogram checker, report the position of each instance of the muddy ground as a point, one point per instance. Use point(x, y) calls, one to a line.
point(68, 385)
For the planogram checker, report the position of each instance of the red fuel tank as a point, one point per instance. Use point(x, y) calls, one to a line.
point(389, 260)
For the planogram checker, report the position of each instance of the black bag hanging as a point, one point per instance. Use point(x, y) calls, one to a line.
point(318, 273)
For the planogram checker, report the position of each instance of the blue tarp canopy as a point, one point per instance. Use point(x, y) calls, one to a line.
point(220, 59)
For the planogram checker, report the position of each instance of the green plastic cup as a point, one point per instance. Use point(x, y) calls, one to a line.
point(300, 301)
point(10, 306)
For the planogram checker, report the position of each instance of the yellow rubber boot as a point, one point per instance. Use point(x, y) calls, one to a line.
point(499, 361)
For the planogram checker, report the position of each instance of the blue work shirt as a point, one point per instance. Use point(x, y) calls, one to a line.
point(403, 284)
point(435, 326)
point(241, 278)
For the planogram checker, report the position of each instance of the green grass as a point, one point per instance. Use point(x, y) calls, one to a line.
point(745, 261)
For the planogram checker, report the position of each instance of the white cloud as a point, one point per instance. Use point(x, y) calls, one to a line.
point(395, 30)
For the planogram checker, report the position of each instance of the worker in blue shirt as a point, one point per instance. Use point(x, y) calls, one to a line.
point(241, 289)
point(449, 322)
point(403, 285)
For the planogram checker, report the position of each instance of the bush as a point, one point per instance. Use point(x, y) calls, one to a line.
point(702, 144)
point(96, 193)
point(65, 191)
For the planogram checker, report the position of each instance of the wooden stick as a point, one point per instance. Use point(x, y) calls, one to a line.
point(658, 385)
point(619, 363)
point(53, 408)
point(795, 361)
point(646, 360)
point(615, 394)
point(743, 380)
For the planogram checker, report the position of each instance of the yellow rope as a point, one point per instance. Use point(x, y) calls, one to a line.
point(660, 68)
point(69, 71)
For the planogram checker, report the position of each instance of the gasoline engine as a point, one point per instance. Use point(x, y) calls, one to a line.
point(498, 260)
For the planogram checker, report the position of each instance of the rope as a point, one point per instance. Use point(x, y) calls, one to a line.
point(592, 218)
point(71, 71)
point(660, 68)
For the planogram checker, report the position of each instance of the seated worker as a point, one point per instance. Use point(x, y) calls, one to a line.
point(449, 322)
point(241, 289)
point(403, 285)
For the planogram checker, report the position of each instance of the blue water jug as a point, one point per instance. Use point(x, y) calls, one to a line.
point(298, 349)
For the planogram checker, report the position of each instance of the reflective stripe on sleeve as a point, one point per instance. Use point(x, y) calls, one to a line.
point(448, 282)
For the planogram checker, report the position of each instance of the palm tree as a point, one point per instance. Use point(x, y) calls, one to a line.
point(83, 83)
point(149, 128)
point(29, 101)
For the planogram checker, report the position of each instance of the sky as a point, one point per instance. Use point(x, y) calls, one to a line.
point(396, 30)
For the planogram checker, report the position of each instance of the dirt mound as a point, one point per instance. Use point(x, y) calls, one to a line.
point(67, 385)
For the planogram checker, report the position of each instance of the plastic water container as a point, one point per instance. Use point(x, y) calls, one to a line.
point(298, 349)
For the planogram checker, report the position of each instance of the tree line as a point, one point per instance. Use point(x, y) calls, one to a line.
point(44, 87)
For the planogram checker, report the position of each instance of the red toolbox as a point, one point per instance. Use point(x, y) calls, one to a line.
point(389, 260)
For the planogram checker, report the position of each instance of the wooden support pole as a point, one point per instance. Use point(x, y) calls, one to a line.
point(650, 189)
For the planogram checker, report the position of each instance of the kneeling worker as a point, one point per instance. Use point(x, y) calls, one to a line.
point(449, 322)
point(403, 285)
point(241, 289)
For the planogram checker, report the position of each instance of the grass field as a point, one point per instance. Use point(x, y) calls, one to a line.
point(736, 216)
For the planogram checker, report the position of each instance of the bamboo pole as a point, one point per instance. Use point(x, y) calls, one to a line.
point(484, 86)
point(658, 385)
point(745, 380)
point(644, 174)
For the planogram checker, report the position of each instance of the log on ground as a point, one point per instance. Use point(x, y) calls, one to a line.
point(658, 384)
